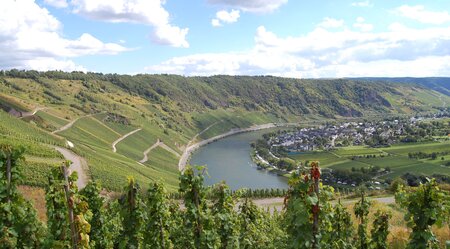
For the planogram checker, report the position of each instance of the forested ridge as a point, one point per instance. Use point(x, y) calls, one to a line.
point(283, 96)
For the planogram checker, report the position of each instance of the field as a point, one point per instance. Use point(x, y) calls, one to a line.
point(357, 151)
point(326, 159)
point(423, 147)
point(53, 120)
point(394, 157)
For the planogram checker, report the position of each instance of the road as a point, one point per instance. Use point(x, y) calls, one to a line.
point(78, 164)
point(278, 202)
point(122, 138)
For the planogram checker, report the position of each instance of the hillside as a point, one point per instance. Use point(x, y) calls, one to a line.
point(115, 121)
point(439, 84)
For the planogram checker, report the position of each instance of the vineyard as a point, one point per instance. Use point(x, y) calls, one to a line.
point(207, 217)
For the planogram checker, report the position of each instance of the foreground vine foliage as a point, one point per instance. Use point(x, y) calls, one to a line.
point(207, 217)
point(361, 212)
point(427, 205)
point(19, 226)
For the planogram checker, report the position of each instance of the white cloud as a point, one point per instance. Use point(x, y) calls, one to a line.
point(225, 17)
point(400, 51)
point(30, 38)
point(328, 22)
point(261, 6)
point(362, 25)
point(215, 23)
point(228, 17)
point(57, 3)
point(419, 13)
point(148, 12)
point(366, 3)
point(45, 64)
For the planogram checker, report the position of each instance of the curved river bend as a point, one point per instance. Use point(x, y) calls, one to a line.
point(229, 159)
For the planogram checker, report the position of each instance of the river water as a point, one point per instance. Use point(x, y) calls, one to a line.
point(229, 159)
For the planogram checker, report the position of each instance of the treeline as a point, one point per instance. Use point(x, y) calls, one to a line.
point(86, 219)
point(242, 193)
point(423, 155)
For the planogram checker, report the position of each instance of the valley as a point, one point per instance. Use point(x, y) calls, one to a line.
point(116, 121)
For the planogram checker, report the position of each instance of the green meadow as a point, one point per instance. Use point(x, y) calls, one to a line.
point(394, 157)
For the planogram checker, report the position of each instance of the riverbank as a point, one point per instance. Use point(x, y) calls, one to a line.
point(191, 148)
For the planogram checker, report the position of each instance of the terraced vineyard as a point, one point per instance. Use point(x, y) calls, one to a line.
point(95, 110)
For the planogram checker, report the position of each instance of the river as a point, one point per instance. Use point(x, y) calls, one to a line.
point(229, 159)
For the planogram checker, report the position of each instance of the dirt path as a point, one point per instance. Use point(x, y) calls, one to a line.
point(70, 124)
point(78, 164)
point(191, 148)
point(166, 147)
point(204, 130)
point(162, 145)
point(122, 138)
point(32, 113)
point(278, 202)
point(145, 159)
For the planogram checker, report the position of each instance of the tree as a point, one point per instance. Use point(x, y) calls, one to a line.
point(198, 223)
point(380, 230)
point(396, 183)
point(66, 210)
point(253, 232)
point(308, 212)
point(426, 205)
point(158, 223)
point(132, 215)
point(342, 232)
point(226, 217)
point(101, 235)
point(361, 212)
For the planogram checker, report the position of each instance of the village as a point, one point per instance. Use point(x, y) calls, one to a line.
point(370, 133)
point(286, 151)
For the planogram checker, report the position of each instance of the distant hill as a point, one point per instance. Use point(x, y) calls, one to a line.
point(440, 84)
point(139, 125)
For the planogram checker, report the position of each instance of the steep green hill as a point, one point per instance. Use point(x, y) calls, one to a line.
point(96, 111)
point(439, 84)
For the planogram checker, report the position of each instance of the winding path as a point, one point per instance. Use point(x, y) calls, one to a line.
point(162, 145)
point(145, 158)
point(122, 138)
point(78, 164)
point(70, 124)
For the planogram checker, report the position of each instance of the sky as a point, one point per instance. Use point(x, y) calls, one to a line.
point(289, 38)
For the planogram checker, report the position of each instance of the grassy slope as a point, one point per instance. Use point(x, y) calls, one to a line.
point(39, 155)
point(174, 109)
